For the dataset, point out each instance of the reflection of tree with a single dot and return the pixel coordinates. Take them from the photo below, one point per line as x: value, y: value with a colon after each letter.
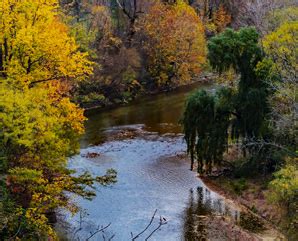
x: 188, y: 228
x: 195, y: 215
x: 209, y: 215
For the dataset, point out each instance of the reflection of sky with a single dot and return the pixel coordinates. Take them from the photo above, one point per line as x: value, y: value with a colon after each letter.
x: 146, y: 181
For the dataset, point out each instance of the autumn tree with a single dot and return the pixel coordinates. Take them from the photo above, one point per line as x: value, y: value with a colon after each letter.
x: 255, y: 12
x: 280, y: 47
x: 39, y: 126
x: 277, y: 17
x: 281, y: 61
x: 31, y: 55
x: 175, y: 43
x: 115, y: 76
x: 132, y: 10
x: 221, y: 19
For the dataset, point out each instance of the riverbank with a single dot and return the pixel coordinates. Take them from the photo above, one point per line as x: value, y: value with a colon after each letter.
x: 249, y: 226
x: 154, y: 174
x: 143, y: 141
x: 92, y: 107
x: 251, y: 197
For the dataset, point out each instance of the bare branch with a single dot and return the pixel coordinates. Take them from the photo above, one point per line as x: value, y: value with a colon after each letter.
x: 111, y: 237
x: 152, y: 218
x: 162, y: 221
x: 98, y: 231
x: 124, y: 10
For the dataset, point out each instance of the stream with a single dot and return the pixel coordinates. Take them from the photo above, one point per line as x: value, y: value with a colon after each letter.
x: 143, y: 142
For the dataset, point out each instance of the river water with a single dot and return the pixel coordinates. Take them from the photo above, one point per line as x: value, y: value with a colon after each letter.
x: 143, y: 142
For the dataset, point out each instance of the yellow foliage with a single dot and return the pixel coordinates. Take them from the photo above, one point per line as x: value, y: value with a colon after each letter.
x: 35, y: 46
x: 39, y: 125
x: 41, y: 130
x: 282, y: 56
x: 281, y: 45
x: 34, y: 119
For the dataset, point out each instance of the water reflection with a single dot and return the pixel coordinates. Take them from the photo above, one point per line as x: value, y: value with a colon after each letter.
x: 194, y: 227
x: 202, y: 205
x: 150, y: 173
x: 160, y: 113
x: 206, y: 213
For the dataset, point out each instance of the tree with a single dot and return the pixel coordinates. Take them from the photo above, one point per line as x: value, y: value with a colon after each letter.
x: 39, y: 126
x: 221, y: 19
x: 132, y: 9
x: 214, y: 15
x: 283, y: 193
x: 175, y: 43
x: 277, y: 17
x: 30, y: 55
x: 285, y: 184
x: 206, y: 120
x: 281, y: 49
x: 39, y: 130
x: 241, y: 51
x: 256, y: 12
x: 241, y: 113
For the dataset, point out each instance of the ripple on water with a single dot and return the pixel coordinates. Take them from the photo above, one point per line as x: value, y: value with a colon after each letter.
x: 153, y: 173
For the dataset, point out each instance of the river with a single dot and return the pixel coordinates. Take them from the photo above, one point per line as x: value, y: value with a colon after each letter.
x: 143, y: 142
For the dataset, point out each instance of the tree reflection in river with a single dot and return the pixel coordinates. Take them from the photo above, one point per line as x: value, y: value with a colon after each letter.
x: 194, y: 227
x: 201, y: 208
x: 209, y: 216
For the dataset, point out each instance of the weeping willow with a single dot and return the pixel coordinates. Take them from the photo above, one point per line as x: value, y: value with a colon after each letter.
x: 210, y: 120
x: 206, y: 120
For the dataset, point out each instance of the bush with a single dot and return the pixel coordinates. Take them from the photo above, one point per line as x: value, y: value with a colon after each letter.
x: 239, y: 185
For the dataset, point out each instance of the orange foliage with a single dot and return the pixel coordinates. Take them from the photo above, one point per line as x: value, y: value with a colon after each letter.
x: 175, y: 45
x: 221, y: 19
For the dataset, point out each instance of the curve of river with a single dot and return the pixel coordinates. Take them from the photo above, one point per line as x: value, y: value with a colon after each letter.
x: 143, y: 142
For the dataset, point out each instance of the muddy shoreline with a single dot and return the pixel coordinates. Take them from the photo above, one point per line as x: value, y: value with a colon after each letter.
x: 265, y: 212
x: 220, y: 226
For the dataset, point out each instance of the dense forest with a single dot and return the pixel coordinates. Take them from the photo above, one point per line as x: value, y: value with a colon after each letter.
x: 58, y: 58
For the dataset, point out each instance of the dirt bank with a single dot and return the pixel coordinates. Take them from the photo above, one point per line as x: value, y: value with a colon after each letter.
x: 253, y: 201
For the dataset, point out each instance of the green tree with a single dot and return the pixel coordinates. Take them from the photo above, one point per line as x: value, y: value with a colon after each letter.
x: 243, y: 110
x: 206, y: 131
x: 283, y: 193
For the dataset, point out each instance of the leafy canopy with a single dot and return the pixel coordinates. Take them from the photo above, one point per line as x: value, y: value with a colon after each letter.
x: 35, y: 45
x: 39, y: 126
x: 175, y: 43
x: 242, y: 112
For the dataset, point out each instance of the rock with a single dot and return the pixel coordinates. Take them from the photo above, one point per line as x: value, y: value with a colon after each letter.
x: 91, y: 155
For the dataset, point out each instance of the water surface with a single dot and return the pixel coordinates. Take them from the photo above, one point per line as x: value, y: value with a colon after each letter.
x: 159, y: 113
x: 143, y: 142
